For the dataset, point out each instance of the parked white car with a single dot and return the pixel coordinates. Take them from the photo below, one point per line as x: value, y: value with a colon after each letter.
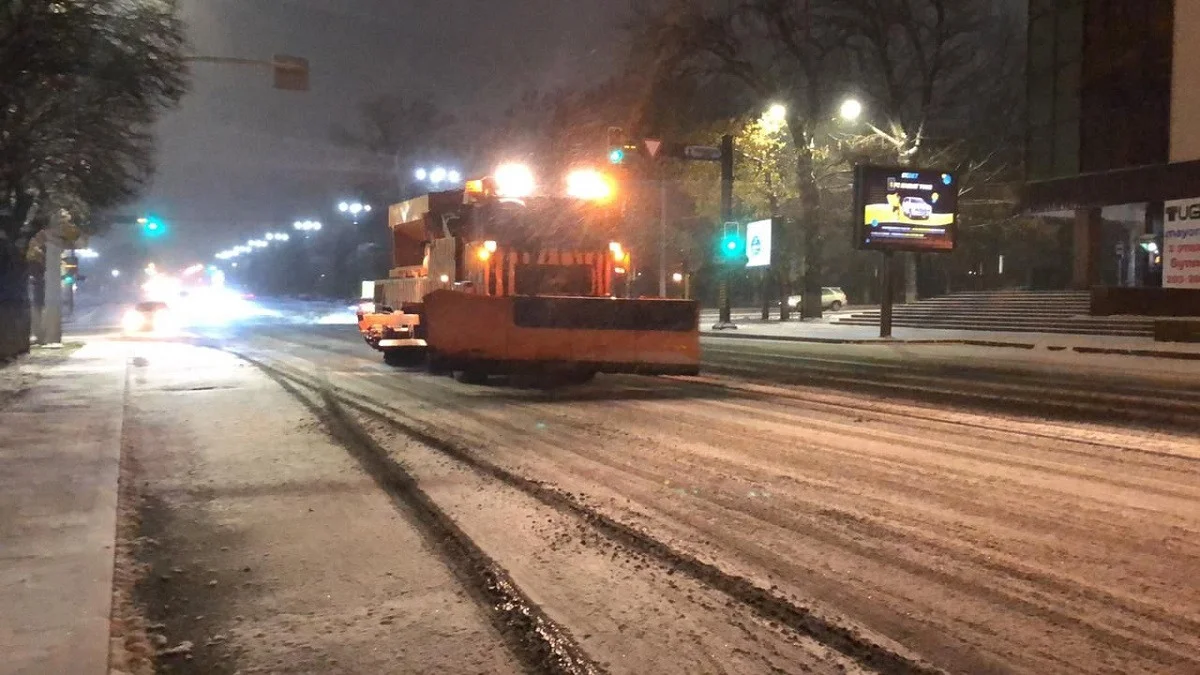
x: 832, y: 298
x: 915, y: 208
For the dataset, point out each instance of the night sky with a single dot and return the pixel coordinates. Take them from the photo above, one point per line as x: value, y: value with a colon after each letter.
x: 238, y: 157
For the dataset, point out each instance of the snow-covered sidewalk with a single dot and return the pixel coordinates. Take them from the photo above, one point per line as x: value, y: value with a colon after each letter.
x: 59, y: 456
x: 829, y: 332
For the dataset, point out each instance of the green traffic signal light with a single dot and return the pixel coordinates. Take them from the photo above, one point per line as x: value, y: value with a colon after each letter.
x: 152, y: 227
x: 68, y: 280
x: 616, y: 155
x: 733, y: 246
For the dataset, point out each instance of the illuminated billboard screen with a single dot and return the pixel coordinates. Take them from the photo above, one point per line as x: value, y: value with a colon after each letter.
x: 898, y: 209
x: 758, y: 243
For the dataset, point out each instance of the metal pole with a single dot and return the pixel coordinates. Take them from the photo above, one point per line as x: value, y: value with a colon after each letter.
x: 765, y: 285
x: 726, y: 311
x: 52, y: 306
x: 662, y: 238
x: 885, y: 304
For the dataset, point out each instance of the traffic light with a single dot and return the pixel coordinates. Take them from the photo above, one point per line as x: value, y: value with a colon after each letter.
x: 152, y: 227
x: 619, y: 147
x: 70, y: 270
x: 732, y: 249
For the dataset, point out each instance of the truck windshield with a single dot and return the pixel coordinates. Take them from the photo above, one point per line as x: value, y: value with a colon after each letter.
x: 554, y: 280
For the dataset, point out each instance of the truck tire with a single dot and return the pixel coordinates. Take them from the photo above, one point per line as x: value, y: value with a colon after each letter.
x: 472, y: 377
x: 403, y: 358
x: 437, y: 365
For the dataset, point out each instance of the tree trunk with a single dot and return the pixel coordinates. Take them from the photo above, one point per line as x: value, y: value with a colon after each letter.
x: 14, y: 302
x: 810, y: 209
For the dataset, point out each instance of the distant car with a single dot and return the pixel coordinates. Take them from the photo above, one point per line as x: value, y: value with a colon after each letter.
x: 832, y: 298
x: 147, y: 317
x: 915, y: 208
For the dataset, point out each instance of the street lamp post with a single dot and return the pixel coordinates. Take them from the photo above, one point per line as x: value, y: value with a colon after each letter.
x: 851, y: 110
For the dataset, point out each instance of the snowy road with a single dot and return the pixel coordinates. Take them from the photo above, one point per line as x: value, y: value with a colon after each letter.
x: 985, y: 510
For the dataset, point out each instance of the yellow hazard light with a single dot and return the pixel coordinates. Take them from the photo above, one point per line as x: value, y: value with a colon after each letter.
x: 514, y: 181
x: 474, y: 186
x: 589, y: 184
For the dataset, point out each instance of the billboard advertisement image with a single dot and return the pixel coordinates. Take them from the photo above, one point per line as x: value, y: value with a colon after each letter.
x: 904, y: 209
x: 758, y: 243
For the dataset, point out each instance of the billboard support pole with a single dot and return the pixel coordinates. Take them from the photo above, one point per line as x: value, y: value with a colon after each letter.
x: 885, y: 305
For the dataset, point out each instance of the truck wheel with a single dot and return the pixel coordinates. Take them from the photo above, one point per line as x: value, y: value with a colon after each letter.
x: 402, y: 358
x: 581, y: 377
x: 437, y: 365
x: 472, y: 377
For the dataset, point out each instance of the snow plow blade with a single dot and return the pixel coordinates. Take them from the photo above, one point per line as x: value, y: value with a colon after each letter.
x: 603, y: 335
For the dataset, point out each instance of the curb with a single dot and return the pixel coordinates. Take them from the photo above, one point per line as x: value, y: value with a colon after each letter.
x: 1108, y: 351
x: 873, y: 341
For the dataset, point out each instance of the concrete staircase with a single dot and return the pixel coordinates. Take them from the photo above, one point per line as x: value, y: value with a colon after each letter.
x: 1025, y: 311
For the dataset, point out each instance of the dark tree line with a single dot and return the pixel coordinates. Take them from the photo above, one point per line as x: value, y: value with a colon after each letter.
x: 81, y: 83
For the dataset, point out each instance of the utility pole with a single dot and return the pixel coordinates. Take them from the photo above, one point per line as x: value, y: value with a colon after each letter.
x: 52, y: 307
x: 725, y: 319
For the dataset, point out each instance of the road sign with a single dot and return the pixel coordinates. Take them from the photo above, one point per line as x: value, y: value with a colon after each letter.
x: 653, y: 145
x: 702, y: 152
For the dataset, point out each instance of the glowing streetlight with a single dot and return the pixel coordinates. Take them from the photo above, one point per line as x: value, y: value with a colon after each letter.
x: 851, y: 110
x: 421, y: 174
x: 677, y: 277
x: 115, y: 273
x: 777, y: 113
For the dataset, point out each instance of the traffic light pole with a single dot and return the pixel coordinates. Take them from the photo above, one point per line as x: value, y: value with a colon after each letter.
x: 725, y: 318
x: 662, y: 233
x: 51, y: 332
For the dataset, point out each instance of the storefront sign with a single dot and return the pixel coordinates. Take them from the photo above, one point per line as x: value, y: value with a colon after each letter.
x: 1181, y: 243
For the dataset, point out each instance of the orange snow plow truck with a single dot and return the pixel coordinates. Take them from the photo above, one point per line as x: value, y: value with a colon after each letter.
x: 484, y: 285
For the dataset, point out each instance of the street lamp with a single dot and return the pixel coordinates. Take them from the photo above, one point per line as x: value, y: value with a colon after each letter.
x: 116, y: 273
x: 851, y: 110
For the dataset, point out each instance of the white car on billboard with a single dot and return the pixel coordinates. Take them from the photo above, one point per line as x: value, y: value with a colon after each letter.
x: 915, y: 208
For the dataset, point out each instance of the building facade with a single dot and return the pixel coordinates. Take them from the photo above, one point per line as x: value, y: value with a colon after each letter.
x: 1113, y: 136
